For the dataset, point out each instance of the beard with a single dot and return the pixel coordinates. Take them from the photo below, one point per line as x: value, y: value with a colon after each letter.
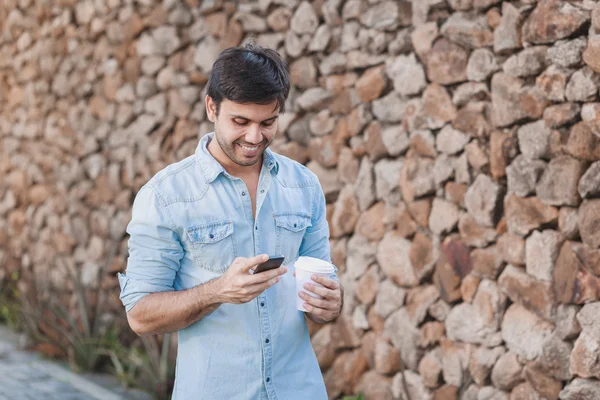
x: 236, y: 154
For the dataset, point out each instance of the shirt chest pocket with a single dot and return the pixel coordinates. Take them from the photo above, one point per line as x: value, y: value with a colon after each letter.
x: 212, y: 245
x: 291, y: 227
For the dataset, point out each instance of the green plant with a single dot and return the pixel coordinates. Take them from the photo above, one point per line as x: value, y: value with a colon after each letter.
x: 359, y: 396
x: 10, y: 307
x: 147, y: 364
x: 125, y: 361
x: 82, y: 337
x: 160, y: 370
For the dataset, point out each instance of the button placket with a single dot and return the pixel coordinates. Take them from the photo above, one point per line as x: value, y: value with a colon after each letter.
x: 246, y: 203
x: 263, y: 185
x: 267, y: 350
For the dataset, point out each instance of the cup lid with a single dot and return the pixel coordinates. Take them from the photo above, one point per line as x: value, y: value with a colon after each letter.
x: 312, y: 264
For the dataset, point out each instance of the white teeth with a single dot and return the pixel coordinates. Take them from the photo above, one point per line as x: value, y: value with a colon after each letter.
x: 250, y: 148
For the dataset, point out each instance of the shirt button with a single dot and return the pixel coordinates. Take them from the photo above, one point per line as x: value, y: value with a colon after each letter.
x: 256, y: 228
x: 243, y: 193
x: 268, y: 379
x: 262, y: 304
x: 267, y: 341
x: 211, y: 236
x: 262, y: 191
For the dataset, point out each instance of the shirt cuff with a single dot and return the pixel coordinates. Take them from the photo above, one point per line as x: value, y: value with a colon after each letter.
x: 133, y: 290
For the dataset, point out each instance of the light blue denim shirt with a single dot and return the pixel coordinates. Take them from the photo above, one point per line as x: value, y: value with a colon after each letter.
x: 189, y: 223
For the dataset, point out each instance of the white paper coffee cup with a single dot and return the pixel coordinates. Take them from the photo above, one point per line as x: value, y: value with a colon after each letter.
x: 305, y: 267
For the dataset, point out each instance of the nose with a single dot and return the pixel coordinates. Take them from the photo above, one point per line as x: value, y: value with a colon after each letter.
x: 253, y: 136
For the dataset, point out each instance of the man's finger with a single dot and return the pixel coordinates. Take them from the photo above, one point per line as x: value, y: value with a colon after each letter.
x: 318, y: 303
x: 327, y: 282
x: 252, y: 262
x: 258, y: 288
x: 316, y: 311
x: 265, y: 276
x: 321, y: 291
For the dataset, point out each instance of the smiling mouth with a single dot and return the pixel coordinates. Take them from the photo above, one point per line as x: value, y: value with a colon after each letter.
x: 250, y: 151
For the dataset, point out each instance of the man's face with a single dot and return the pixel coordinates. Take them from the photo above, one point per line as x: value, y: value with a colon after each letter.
x: 243, y: 131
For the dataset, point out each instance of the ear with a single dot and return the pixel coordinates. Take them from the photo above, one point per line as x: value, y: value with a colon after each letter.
x: 211, y: 109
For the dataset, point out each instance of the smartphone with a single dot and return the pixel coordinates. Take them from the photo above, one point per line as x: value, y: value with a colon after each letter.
x: 271, y: 263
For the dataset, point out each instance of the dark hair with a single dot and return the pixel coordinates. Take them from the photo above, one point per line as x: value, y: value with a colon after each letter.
x: 249, y: 74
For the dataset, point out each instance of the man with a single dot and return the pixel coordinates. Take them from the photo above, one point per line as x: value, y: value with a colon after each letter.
x: 201, y: 226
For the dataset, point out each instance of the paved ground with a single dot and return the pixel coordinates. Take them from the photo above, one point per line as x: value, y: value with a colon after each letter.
x: 26, y: 376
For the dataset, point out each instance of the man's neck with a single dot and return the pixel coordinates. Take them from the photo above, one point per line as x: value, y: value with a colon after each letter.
x: 232, y: 168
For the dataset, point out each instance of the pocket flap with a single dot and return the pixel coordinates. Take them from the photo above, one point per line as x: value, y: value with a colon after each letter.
x: 211, y: 232
x: 294, y: 222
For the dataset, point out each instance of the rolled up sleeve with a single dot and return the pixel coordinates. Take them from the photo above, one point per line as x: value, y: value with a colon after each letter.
x: 155, y: 250
x: 315, y: 242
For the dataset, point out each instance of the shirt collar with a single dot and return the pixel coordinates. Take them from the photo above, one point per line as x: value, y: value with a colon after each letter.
x: 211, y: 168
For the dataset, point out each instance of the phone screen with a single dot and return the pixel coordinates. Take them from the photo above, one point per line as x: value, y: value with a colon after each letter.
x: 271, y: 263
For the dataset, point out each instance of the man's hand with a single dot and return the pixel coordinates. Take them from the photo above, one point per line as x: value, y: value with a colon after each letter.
x: 329, y: 307
x: 237, y: 285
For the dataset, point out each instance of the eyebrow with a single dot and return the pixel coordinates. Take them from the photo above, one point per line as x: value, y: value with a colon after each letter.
x: 234, y: 116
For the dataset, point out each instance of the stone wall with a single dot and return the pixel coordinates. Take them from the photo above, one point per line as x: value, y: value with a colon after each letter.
x: 457, y: 143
